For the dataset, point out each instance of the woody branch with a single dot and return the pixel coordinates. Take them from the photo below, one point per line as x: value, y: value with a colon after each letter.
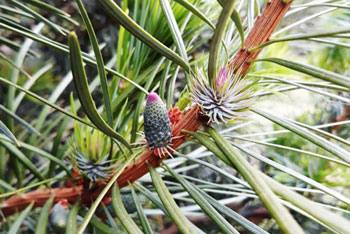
x: 263, y: 28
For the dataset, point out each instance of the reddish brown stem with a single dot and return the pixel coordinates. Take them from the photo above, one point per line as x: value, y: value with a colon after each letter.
x: 260, y: 33
x: 262, y: 30
x: 131, y: 173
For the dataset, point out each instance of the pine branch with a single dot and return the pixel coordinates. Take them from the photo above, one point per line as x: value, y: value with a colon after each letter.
x: 263, y: 28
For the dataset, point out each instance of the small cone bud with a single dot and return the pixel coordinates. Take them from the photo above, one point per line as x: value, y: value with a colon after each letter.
x: 229, y: 99
x: 58, y: 216
x: 156, y: 122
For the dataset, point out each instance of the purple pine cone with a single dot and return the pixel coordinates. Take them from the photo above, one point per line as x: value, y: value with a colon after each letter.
x: 156, y: 122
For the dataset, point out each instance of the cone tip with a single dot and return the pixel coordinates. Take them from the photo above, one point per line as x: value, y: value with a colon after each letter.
x: 153, y: 97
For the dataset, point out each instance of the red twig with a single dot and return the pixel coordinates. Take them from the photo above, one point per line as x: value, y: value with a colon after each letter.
x: 261, y: 32
x: 131, y: 173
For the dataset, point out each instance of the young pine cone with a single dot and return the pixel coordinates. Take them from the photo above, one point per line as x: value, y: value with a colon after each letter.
x: 157, y: 125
